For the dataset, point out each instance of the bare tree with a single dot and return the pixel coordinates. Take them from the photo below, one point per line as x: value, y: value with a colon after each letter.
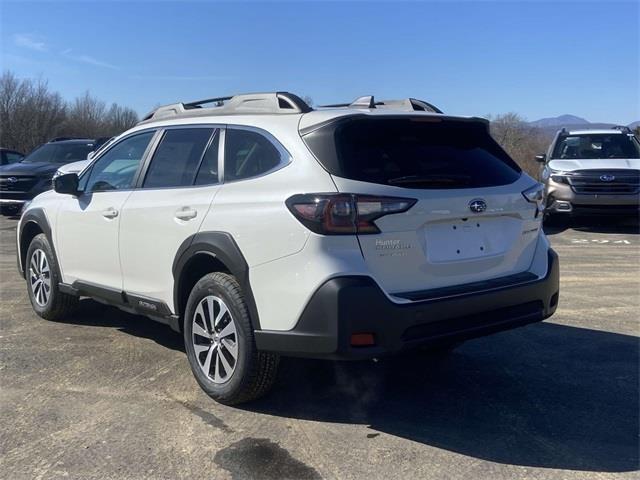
x: 119, y: 119
x: 520, y: 140
x: 85, y: 117
x: 89, y: 117
x: 30, y: 114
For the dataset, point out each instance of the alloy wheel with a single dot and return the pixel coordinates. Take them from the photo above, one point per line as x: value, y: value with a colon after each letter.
x: 215, y: 339
x: 40, y: 277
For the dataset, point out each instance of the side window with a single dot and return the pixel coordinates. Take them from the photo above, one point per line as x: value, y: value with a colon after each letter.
x: 13, y: 157
x: 176, y: 159
x: 117, y: 168
x: 248, y: 154
x: 208, y: 171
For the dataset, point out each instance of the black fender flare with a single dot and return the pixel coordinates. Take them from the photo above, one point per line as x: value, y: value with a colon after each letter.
x: 223, y: 247
x: 37, y: 216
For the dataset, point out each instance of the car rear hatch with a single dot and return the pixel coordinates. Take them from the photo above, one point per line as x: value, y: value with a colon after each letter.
x: 470, y: 222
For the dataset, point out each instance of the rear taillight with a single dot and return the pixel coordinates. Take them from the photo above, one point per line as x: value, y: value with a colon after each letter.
x: 535, y: 195
x: 344, y: 213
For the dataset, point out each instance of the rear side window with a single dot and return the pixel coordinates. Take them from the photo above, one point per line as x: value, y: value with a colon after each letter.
x: 248, y: 154
x: 176, y: 160
x: 413, y: 153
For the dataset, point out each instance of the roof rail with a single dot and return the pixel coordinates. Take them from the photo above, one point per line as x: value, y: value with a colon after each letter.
x: 622, y: 128
x: 407, y: 104
x: 250, y: 103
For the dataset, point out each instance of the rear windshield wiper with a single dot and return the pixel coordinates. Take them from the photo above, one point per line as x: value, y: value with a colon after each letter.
x: 435, y: 179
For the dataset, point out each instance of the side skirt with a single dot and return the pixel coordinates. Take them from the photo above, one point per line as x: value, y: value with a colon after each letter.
x: 149, y: 307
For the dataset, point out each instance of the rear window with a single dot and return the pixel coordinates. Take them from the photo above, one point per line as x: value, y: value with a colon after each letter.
x: 413, y: 153
x: 597, y: 145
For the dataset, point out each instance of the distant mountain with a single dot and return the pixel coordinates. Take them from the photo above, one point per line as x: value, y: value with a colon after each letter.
x: 560, y: 121
x: 552, y: 124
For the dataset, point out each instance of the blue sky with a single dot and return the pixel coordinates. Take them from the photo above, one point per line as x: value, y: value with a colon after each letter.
x: 535, y: 58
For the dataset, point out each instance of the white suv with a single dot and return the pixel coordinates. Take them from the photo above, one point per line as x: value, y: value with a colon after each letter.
x: 259, y: 227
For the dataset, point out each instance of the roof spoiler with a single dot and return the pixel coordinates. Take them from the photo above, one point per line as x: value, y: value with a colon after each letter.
x: 407, y: 104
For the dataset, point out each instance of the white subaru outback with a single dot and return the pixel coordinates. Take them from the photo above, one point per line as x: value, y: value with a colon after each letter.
x: 259, y: 227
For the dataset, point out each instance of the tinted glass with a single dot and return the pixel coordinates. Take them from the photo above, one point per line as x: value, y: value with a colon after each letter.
x: 248, y: 154
x: 613, y: 145
x: 59, y: 153
x: 117, y: 168
x: 208, y: 171
x: 12, y: 157
x: 413, y: 153
x: 176, y: 159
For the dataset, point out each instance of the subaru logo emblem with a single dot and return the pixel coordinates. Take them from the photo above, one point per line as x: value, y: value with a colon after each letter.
x: 607, y: 178
x: 12, y: 180
x: 478, y: 205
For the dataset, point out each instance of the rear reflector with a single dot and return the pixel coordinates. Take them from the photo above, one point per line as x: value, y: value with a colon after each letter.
x: 362, y: 340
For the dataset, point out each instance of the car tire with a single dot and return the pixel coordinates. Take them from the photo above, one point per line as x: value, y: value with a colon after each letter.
x: 216, y: 325
x: 43, y: 277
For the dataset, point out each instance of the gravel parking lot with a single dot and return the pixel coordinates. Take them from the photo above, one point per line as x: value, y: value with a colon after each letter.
x: 110, y: 395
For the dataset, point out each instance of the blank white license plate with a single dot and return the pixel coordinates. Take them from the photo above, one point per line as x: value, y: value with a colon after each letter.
x: 464, y: 240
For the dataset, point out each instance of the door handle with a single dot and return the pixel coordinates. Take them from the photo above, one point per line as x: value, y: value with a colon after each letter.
x: 186, y: 213
x: 110, y: 213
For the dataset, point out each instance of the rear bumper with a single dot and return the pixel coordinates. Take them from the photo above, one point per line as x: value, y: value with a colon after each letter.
x: 347, y: 305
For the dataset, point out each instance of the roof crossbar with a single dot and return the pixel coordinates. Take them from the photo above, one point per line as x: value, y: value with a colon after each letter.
x: 407, y: 104
x: 251, y: 103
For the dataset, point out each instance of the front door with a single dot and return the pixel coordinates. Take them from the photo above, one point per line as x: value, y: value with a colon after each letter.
x: 87, y: 225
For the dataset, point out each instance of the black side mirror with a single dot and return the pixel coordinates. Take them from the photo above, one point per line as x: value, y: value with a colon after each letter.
x: 67, y: 183
x: 541, y: 158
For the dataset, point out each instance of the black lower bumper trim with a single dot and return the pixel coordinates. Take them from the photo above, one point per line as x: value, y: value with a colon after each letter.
x: 346, y: 305
x: 606, y: 210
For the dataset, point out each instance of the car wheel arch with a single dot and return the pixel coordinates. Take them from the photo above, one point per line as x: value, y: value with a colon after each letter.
x: 207, y: 252
x: 34, y: 222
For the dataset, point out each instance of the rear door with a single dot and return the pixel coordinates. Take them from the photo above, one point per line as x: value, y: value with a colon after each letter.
x: 470, y: 222
x: 174, y: 195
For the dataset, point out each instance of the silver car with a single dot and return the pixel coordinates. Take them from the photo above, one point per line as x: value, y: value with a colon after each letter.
x: 592, y: 172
